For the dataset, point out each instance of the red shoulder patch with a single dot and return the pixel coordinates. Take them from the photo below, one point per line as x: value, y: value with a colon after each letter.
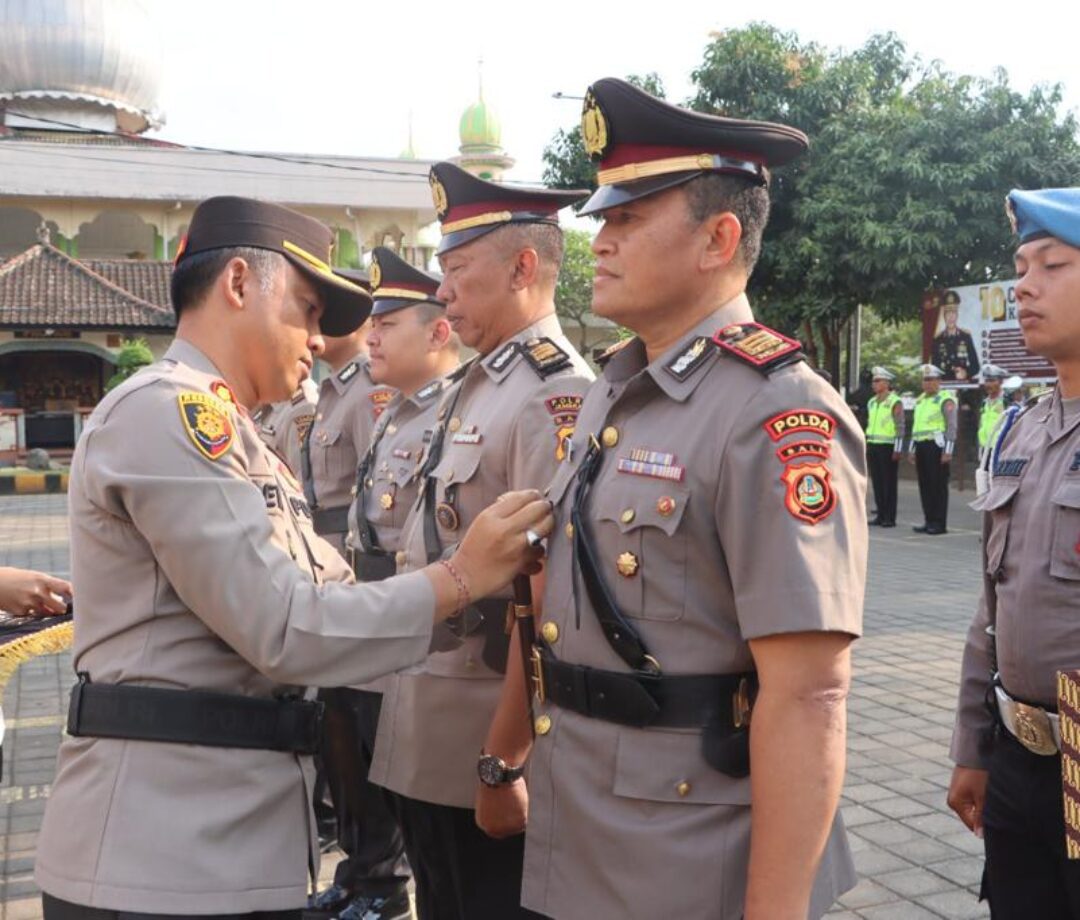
x: 809, y: 495
x: 792, y: 420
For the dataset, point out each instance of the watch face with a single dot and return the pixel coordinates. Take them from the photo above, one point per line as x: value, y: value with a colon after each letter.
x: 492, y: 770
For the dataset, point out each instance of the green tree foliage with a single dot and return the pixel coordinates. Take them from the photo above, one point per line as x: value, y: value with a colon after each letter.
x: 896, y: 346
x: 133, y: 354
x: 903, y: 187
x: 573, y: 290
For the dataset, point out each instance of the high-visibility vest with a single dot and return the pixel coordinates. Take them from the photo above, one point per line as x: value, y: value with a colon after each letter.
x: 989, y: 415
x: 880, y: 422
x: 929, y: 419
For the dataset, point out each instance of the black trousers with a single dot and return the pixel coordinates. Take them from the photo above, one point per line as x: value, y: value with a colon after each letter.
x: 933, y: 483
x: 461, y: 873
x: 57, y: 909
x: 883, y: 472
x: 1027, y: 874
x: 368, y: 832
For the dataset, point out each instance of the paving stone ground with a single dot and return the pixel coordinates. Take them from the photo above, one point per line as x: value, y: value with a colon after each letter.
x: 914, y: 858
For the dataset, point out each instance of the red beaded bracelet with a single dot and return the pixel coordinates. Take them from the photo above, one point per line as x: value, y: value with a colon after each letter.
x: 463, y: 595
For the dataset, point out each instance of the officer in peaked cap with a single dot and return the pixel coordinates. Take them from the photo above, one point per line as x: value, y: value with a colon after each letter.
x: 954, y: 348
x: 207, y: 602
x: 884, y: 444
x: 933, y: 438
x: 1017, y: 759
x: 993, y: 404
x: 451, y: 735
x: 666, y: 621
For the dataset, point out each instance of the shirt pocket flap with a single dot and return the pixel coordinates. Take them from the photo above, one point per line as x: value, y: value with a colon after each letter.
x: 642, y: 502
x: 1065, y: 550
x: 1067, y: 495
x: 560, y: 482
x: 1000, y: 494
x: 668, y: 766
x: 328, y: 437
x: 459, y: 466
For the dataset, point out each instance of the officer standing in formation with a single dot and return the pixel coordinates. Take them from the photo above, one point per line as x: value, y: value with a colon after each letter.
x: 348, y: 405
x: 884, y: 444
x: 207, y: 602
x: 709, y: 559
x: 993, y: 405
x: 501, y: 425
x: 933, y: 437
x: 283, y: 426
x: 413, y: 348
x: 1008, y: 785
x: 954, y: 349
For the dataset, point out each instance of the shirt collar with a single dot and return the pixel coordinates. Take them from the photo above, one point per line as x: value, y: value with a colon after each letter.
x: 360, y: 359
x: 508, y: 353
x: 632, y: 359
x: 184, y: 352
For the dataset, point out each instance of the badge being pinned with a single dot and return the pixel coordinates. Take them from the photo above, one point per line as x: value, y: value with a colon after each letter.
x: 207, y: 422
x: 809, y: 495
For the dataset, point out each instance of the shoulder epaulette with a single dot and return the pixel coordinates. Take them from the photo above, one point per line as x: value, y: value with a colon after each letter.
x: 545, y: 357
x: 611, y: 351
x: 759, y: 346
x: 348, y: 372
x: 690, y: 358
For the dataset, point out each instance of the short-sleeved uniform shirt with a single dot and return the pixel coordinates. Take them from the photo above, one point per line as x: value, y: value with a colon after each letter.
x: 506, y: 424
x: 728, y: 506
x: 1033, y: 560
x: 196, y: 567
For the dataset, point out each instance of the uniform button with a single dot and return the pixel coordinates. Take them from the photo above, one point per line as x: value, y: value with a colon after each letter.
x: 550, y: 632
x: 683, y: 789
x: 627, y: 565
x: 543, y: 725
x: 399, y: 557
x: 454, y: 424
x: 609, y: 437
x: 665, y: 505
x: 391, y: 429
x: 352, y: 491
x: 369, y: 483
x: 627, y: 516
x: 569, y: 529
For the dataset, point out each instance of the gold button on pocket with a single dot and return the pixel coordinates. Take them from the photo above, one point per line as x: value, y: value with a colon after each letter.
x: 569, y: 530
x: 627, y: 517
x: 542, y: 725
x: 609, y: 437
x: 550, y: 632
x: 683, y: 789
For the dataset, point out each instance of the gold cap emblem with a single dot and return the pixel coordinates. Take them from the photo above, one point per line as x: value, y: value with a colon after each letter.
x: 438, y: 197
x: 375, y: 273
x: 594, y: 127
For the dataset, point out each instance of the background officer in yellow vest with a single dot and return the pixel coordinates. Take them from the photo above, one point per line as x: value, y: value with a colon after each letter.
x: 884, y: 444
x: 933, y: 437
x: 993, y: 407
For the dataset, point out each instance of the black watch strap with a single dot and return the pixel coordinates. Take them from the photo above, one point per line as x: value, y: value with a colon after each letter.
x: 494, y: 771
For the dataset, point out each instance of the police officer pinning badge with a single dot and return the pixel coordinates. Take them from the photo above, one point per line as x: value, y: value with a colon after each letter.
x: 684, y: 364
x: 348, y: 372
x: 758, y: 345
x: 207, y: 422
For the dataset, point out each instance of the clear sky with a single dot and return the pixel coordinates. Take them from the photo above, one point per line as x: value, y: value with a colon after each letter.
x: 342, y: 76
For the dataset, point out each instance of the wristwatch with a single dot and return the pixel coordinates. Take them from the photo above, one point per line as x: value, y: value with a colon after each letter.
x: 494, y: 771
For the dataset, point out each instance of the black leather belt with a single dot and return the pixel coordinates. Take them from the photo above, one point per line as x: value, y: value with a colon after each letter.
x: 376, y: 565
x: 330, y: 520
x: 193, y: 717
x: 719, y: 701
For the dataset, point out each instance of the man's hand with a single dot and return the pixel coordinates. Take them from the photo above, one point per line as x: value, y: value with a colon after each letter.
x: 966, y: 796
x: 946, y: 458
x: 896, y: 456
x: 501, y: 811
x: 496, y: 548
x: 27, y: 593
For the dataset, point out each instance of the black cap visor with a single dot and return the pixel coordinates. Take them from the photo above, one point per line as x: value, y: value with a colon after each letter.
x: 345, y: 305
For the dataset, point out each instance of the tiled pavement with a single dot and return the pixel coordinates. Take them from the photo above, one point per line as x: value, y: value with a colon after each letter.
x: 915, y: 859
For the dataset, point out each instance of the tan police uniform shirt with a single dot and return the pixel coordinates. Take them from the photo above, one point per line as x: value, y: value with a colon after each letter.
x: 706, y: 544
x: 1033, y: 552
x: 284, y: 425
x: 349, y: 404
x: 196, y: 566
x: 392, y: 484
x: 504, y: 433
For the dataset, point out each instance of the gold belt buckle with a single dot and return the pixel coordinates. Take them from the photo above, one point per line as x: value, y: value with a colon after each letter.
x: 1033, y: 729
x: 538, y: 675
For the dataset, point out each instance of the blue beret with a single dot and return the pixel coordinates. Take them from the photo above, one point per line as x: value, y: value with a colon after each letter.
x: 1045, y: 212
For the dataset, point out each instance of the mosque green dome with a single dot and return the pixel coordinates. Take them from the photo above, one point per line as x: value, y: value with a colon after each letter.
x: 480, y: 127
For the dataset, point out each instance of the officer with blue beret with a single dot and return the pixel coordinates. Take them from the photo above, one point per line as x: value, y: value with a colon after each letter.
x: 1017, y: 760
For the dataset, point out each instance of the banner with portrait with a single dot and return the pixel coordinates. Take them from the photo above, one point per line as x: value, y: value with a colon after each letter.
x: 967, y: 327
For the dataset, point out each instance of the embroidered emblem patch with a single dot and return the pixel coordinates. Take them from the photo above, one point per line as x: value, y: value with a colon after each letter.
x: 1014, y: 466
x: 792, y: 420
x: 1075, y: 462
x: 207, y: 422
x: 502, y: 358
x: 809, y: 495
x: 430, y: 390
x: 563, y: 435
x: 379, y: 401
x: 764, y: 348
x: 798, y: 449
x: 684, y: 364
x: 303, y: 425
x: 561, y: 406
x: 348, y: 372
